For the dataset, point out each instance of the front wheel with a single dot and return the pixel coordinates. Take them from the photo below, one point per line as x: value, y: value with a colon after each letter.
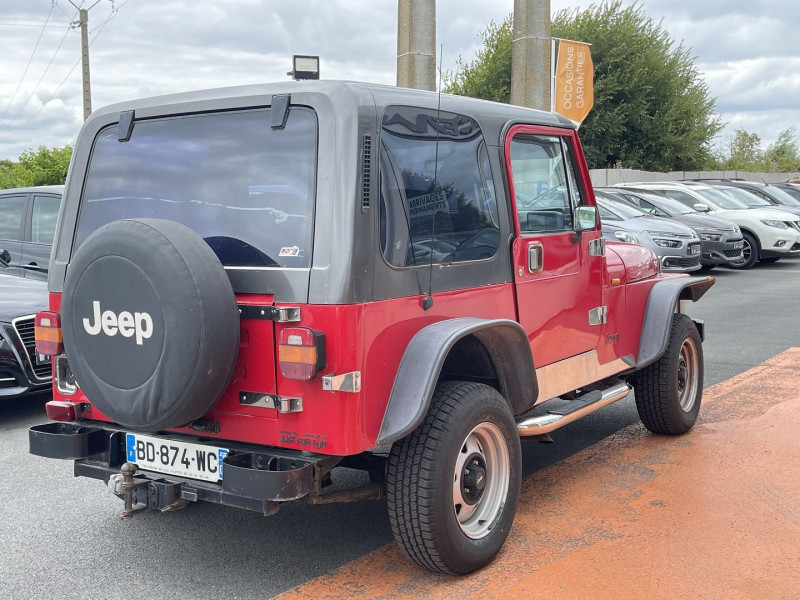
x: 453, y: 483
x: 750, y: 252
x: 668, y: 392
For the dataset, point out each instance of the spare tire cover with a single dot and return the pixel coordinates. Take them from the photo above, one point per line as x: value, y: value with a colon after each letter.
x: 150, y: 323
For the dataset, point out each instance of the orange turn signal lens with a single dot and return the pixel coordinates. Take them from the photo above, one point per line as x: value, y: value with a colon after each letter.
x: 47, y: 331
x: 301, y: 353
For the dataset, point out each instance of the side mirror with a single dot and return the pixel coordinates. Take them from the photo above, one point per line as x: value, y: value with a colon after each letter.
x: 586, y: 218
x: 700, y: 207
x: 5, y: 257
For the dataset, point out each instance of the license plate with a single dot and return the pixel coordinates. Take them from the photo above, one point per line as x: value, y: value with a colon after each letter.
x: 739, y: 244
x: 195, y: 461
x: 694, y: 250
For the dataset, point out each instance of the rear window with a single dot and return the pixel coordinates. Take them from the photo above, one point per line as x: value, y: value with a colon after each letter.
x: 245, y: 188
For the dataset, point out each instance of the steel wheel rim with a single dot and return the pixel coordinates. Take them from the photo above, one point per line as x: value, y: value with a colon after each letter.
x: 478, y: 512
x: 688, y: 374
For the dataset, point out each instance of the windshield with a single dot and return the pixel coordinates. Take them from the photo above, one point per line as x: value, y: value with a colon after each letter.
x: 783, y: 196
x: 745, y: 197
x: 620, y: 208
x: 668, y: 205
x: 721, y: 199
x: 245, y: 188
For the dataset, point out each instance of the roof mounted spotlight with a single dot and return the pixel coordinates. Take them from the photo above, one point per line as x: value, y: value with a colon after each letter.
x: 304, y: 67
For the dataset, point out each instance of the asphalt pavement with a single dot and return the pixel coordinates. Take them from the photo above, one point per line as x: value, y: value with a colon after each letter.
x: 61, y: 537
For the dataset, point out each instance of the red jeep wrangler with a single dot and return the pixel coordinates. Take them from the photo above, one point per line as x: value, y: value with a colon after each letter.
x: 252, y: 286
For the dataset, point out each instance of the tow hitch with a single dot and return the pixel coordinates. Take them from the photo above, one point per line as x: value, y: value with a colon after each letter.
x: 144, y: 494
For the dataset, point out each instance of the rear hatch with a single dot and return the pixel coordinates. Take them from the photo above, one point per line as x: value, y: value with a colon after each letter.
x: 242, y: 184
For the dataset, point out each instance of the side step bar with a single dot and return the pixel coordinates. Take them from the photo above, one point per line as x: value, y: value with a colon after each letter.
x: 586, y: 404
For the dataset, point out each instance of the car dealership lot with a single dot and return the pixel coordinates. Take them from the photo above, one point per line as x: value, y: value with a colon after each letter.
x: 50, y: 544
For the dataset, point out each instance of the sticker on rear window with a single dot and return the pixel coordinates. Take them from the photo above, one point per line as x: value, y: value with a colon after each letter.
x: 289, y: 251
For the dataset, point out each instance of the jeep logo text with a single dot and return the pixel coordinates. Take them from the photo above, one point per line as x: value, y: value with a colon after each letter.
x: 127, y: 324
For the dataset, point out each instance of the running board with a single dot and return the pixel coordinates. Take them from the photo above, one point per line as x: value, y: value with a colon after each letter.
x: 586, y: 404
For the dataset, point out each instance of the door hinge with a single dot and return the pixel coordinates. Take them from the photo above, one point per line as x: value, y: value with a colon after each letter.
x: 597, y: 247
x: 597, y: 316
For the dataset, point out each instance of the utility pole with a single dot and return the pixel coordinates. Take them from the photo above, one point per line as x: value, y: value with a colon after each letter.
x: 530, y: 54
x: 83, y: 23
x: 87, y: 86
x: 416, y: 44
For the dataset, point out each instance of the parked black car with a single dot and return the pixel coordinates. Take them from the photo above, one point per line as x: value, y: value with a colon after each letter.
x: 28, y: 224
x: 721, y: 240
x: 22, y: 294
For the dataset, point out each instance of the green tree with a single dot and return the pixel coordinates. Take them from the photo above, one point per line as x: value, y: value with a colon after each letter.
x: 744, y: 151
x: 45, y: 166
x: 651, y: 110
x: 784, y: 155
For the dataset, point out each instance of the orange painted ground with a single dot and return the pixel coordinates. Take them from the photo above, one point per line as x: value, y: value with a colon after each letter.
x: 712, y: 514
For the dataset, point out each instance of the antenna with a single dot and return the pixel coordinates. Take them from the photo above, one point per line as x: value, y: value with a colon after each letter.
x: 427, y: 301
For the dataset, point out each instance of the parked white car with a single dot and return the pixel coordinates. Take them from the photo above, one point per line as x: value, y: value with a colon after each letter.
x: 769, y: 234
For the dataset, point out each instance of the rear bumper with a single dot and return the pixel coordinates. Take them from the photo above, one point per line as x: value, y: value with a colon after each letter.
x: 255, y: 478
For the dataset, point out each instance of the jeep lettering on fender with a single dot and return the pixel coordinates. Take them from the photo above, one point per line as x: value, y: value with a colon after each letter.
x: 253, y: 286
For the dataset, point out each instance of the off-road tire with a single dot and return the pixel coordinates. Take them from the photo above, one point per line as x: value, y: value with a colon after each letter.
x: 669, y: 391
x: 750, y: 253
x: 435, y: 524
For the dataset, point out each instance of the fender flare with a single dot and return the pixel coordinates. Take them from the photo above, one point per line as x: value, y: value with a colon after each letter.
x: 661, y: 305
x: 424, y: 358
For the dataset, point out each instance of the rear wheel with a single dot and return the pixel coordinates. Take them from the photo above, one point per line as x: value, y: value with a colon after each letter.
x: 668, y: 392
x: 750, y: 252
x: 453, y: 483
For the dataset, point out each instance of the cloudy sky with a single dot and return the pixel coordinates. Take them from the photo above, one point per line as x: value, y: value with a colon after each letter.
x: 747, y: 51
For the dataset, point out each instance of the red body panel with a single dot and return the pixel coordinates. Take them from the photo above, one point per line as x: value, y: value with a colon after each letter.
x: 370, y: 338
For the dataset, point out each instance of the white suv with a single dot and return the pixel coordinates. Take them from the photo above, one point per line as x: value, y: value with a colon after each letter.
x: 768, y: 234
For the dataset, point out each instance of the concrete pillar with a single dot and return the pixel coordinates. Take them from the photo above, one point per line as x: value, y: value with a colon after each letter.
x: 530, y: 54
x: 416, y: 44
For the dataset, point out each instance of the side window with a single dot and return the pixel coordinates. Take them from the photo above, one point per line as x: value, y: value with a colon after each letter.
x: 13, y: 210
x: 575, y: 190
x: 45, y: 215
x: 544, y: 183
x: 437, y: 199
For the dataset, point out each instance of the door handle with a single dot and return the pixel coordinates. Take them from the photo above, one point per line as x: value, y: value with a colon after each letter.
x: 535, y: 257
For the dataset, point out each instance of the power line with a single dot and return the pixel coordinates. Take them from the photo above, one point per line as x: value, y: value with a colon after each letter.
x: 60, y: 85
x: 30, y: 60
x: 47, y: 68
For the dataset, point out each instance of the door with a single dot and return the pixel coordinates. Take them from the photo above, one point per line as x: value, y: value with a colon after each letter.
x: 42, y: 229
x: 558, y: 270
x: 13, y: 208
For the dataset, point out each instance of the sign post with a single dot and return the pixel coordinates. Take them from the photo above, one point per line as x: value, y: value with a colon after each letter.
x: 573, y: 80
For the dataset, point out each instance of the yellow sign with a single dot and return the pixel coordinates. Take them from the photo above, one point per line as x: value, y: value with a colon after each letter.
x: 574, y: 85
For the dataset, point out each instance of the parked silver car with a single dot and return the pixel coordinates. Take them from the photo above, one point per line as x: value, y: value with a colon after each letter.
x: 721, y: 240
x: 677, y: 246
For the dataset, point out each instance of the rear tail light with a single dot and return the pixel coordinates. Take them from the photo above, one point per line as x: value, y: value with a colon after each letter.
x: 47, y: 329
x: 301, y: 353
